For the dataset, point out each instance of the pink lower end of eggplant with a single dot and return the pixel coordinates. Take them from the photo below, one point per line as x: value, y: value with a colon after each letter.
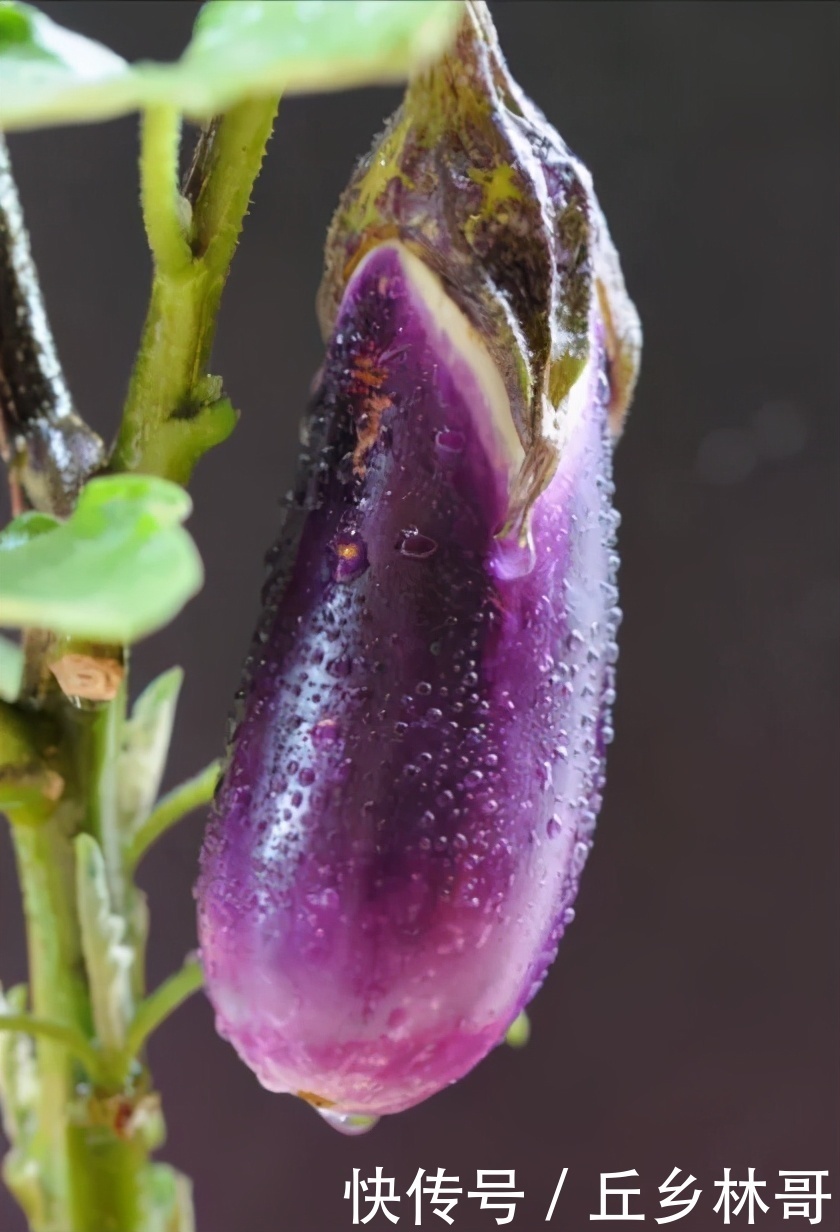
x: 418, y: 759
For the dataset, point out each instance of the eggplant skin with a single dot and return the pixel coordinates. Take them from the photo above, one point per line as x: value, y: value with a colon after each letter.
x: 418, y: 756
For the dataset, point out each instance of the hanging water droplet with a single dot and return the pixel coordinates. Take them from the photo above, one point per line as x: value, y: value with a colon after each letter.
x: 350, y: 1123
x: 324, y: 733
x: 511, y: 559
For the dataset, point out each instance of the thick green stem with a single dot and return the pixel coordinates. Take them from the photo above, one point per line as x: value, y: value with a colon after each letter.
x: 58, y: 993
x: 107, y: 1175
x: 89, y: 1170
x: 175, y: 411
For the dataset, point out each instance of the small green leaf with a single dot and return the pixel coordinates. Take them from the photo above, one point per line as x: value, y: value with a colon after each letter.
x: 120, y: 567
x: 107, y: 957
x: 145, y: 746
x: 11, y: 670
x: 240, y: 49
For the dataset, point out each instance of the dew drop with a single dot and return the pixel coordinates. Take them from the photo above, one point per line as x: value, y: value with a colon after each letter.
x: 511, y: 559
x: 350, y: 1123
x: 324, y: 733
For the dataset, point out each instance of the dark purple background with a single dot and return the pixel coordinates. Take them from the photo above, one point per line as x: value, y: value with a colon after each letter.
x: 691, y: 1018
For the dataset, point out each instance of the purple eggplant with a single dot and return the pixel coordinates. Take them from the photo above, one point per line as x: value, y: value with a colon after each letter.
x: 417, y: 756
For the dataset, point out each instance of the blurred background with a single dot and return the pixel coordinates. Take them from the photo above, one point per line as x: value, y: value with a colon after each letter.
x: 691, y: 1019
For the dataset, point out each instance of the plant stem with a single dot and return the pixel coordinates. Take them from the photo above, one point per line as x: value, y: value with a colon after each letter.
x: 160, y: 1004
x: 83, y: 1159
x: 107, y: 1176
x: 160, y: 143
x: 58, y: 992
x: 103, y: 813
x: 183, y: 799
x: 174, y: 411
x: 73, y: 1040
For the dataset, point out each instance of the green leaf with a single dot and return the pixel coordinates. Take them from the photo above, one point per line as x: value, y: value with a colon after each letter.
x: 120, y: 567
x: 50, y: 75
x: 107, y: 957
x: 11, y: 670
x: 240, y: 49
x: 145, y: 746
x: 28, y: 526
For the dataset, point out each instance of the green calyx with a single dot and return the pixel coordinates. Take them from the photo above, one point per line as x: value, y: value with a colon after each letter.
x: 470, y: 176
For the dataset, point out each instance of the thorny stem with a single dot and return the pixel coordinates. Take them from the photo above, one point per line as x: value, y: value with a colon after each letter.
x: 82, y: 1164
